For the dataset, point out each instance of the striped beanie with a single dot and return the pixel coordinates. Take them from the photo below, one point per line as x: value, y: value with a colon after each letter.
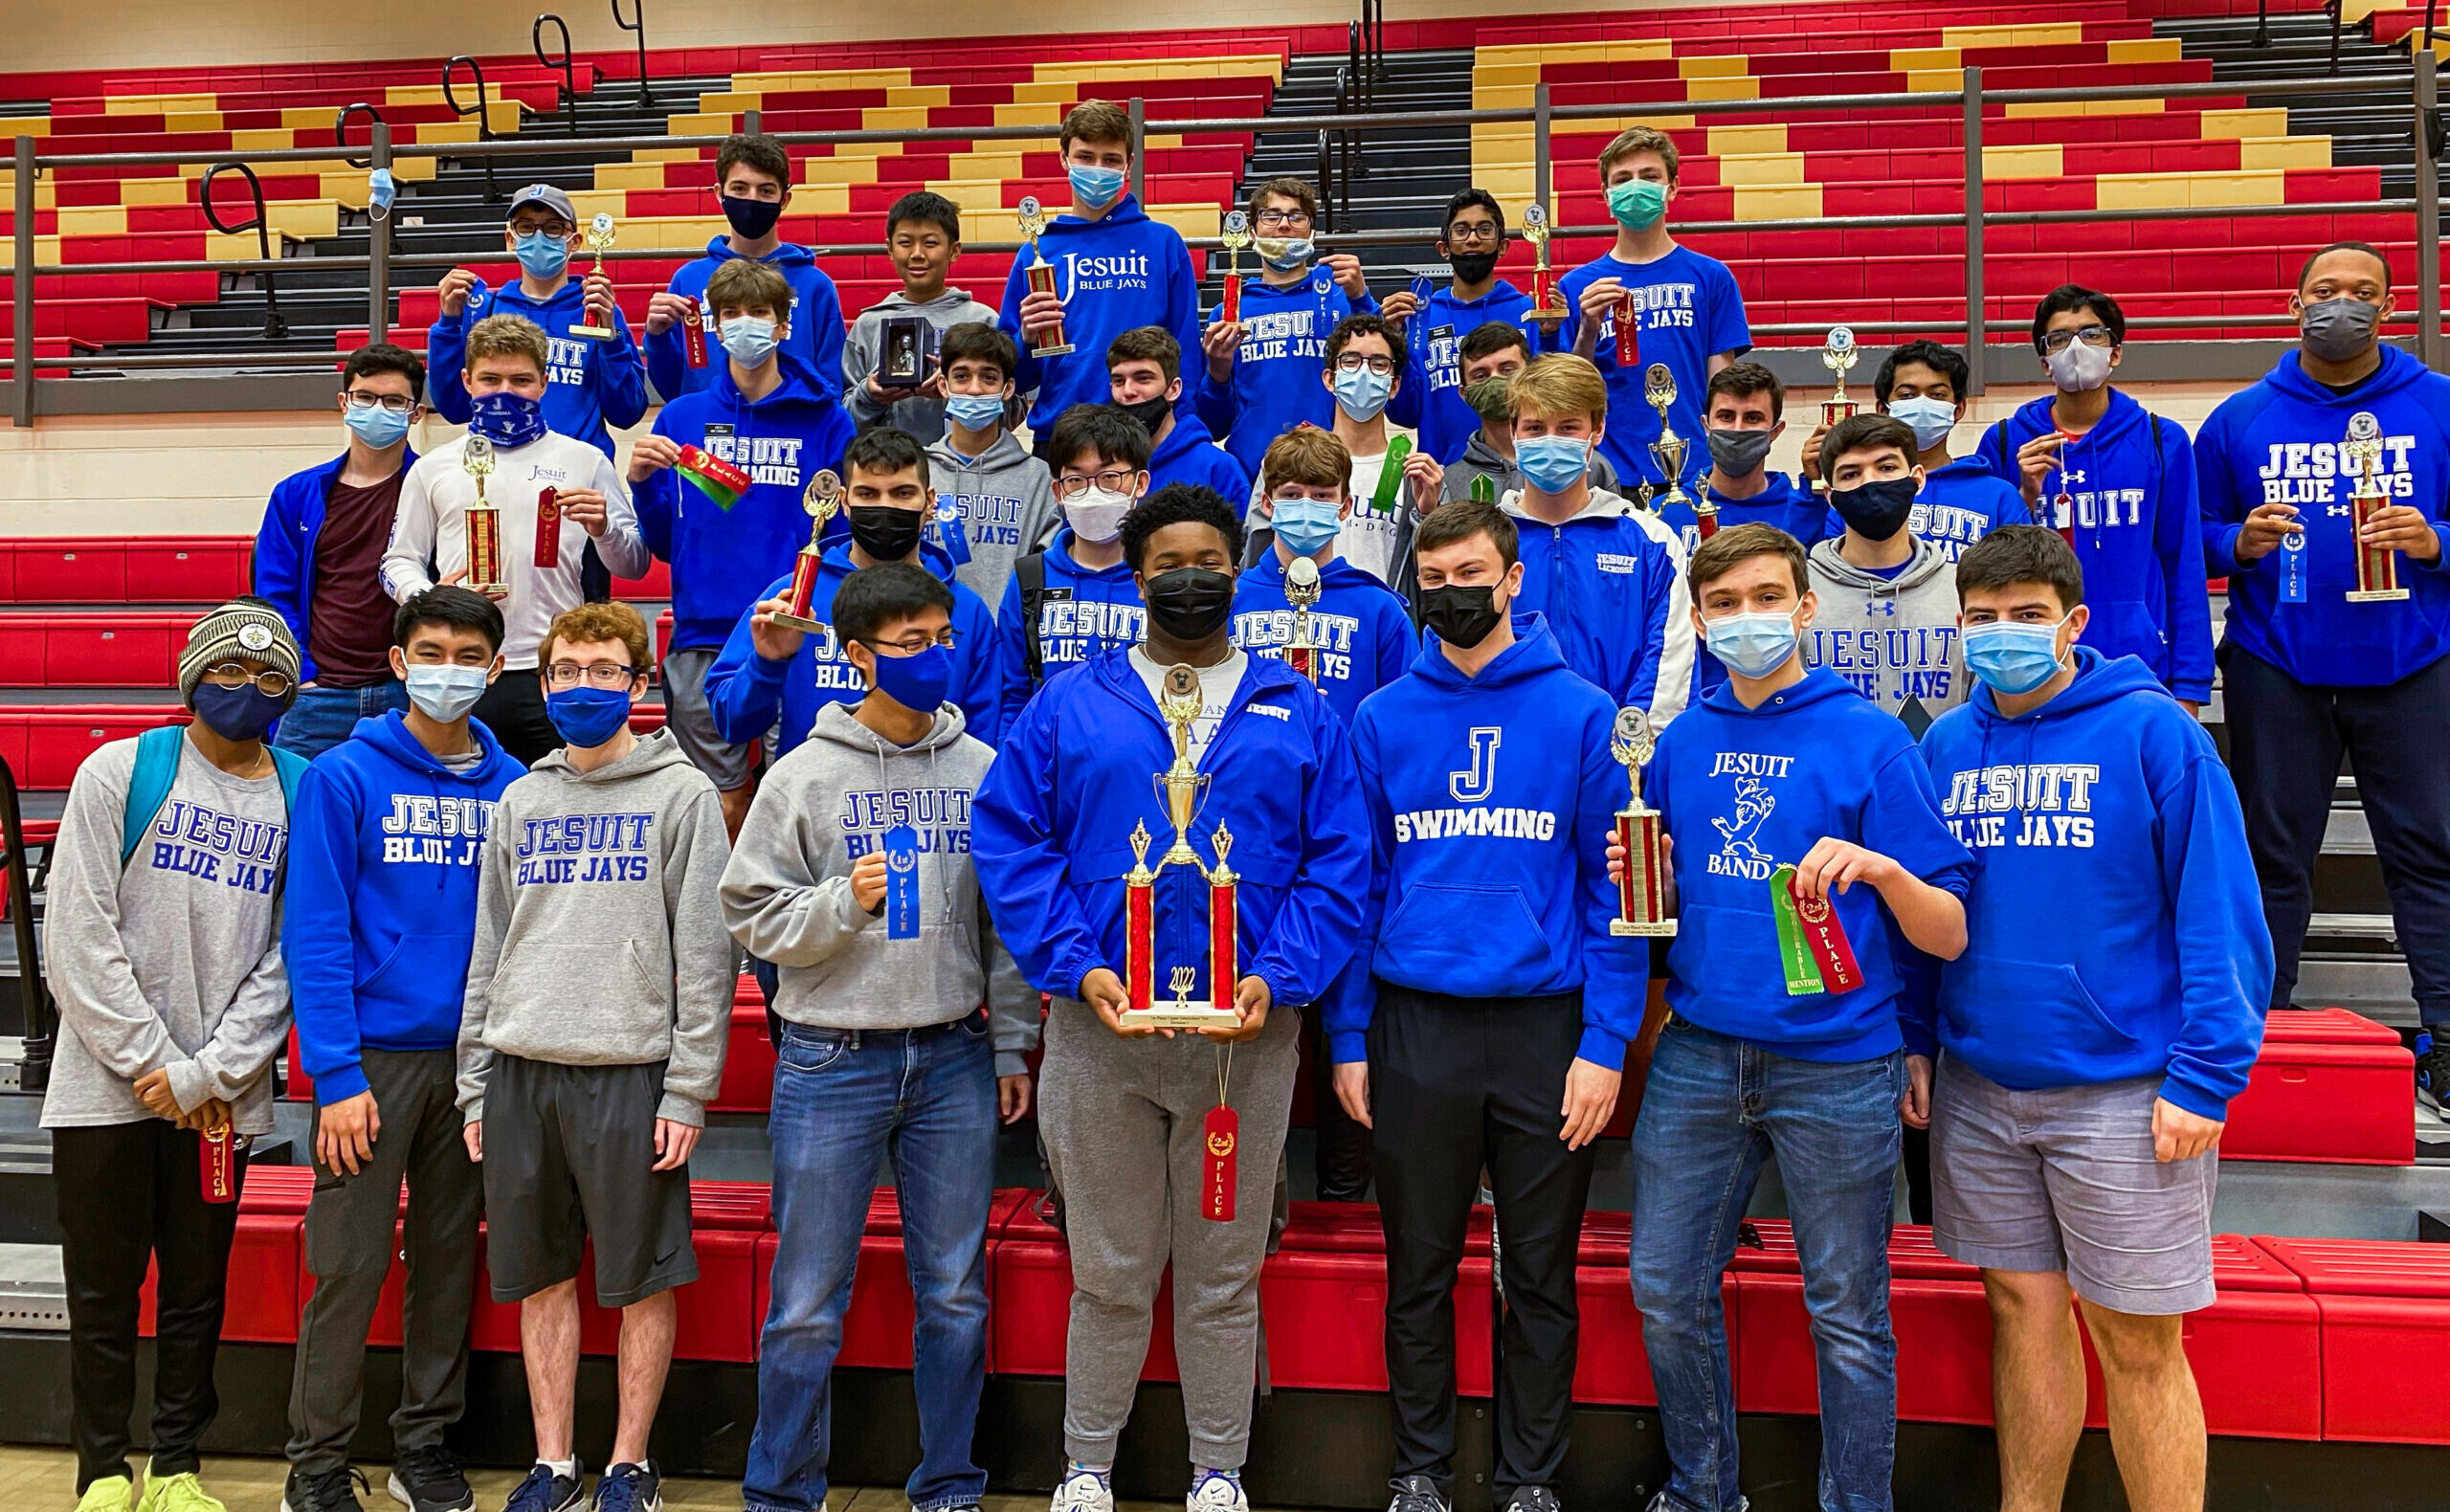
x: 248, y: 628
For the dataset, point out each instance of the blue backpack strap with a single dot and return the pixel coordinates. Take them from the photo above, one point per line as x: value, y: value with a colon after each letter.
x: 148, y: 787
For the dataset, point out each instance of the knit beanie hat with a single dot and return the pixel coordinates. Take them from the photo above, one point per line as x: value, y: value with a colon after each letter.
x: 247, y: 629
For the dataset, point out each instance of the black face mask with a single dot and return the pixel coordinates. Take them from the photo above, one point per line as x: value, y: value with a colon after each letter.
x: 886, y: 534
x: 1149, y: 412
x: 1190, y: 603
x: 752, y: 219
x: 1876, y: 510
x: 1471, y: 267
x: 1463, y: 614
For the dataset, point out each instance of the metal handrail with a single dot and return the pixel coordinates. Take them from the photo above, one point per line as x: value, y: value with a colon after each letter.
x: 33, y: 993
x: 484, y: 118
x: 637, y: 23
x: 340, y: 130
x: 568, y: 65
x: 275, y: 327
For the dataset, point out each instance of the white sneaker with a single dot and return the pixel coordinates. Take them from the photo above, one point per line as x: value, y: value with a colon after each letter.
x: 1084, y: 1492
x: 1216, y: 1493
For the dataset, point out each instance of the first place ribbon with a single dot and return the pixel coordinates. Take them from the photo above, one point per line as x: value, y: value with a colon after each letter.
x: 901, y: 883
x: 1812, y: 943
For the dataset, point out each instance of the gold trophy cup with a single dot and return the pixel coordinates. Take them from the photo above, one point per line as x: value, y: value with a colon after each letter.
x: 599, y: 241
x: 1659, y: 387
x: 1837, y: 354
x: 1180, y: 785
x: 823, y: 497
x: 1546, y: 309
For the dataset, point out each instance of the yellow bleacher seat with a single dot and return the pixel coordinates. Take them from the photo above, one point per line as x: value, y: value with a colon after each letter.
x: 2050, y: 33
x: 2170, y: 191
x: 2284, y: 152
x: 1761, y: 168
x: 1777, y: 201
x: 804, y: 80
x: 1221, y: 66
x: 2034, y: 160
x: 2054, y: 110
x: 1627, y: 50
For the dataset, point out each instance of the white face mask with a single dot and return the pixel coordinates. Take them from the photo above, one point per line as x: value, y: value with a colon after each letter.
x: 2079, y: 367
x: 1096, y: 517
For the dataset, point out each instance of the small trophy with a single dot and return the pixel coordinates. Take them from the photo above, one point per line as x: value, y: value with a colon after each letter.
x: 1837, y: 354
x: 693, y: 331
x: 1237, y: 236
x: 1659, y: 386
x: 1048, y: 342
x: 2377, y: 568
x: 1545, y: 308
x: 599, y: 241
x: 1629, y: 334
x: 1180, y: 785
x: 908, y: 342
x: 823, y: 498
x: 1301, y: 591
x: 483, y: 520
x: 1641, y: 896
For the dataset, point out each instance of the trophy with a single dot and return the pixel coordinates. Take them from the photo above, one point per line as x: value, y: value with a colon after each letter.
x: 1180, y: 785
x: 823, y: 498
x: 1301, y: 591
x: 1048, y: 342
x: 599, y: 241
x: 1545, y: 309
x: 1837, y: 354
x: 1629, y: 336
x: 1237, y: 236
x: 483, y: 520
x: 907, y: 346
x: 2377, y: 568
x: 1641, y: 895
x: 693, y: 331
x: 1659, y: 386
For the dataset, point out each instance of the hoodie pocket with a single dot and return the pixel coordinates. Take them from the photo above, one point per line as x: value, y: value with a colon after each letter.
x: 2032, y: 1013
x: 1472, y: 937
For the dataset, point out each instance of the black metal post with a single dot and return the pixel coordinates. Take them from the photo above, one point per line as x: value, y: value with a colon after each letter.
x: 566, y: 63
x: 34, y: 1073
x: 275, y: 327
x: 1139, y: 149
x: 637, y: 23
x: 21, y: 306
x: 2262, y: 23
x: 378, y: 244
x: 2428, y: 212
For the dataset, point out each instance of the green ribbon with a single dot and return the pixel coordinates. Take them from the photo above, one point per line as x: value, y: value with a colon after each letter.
x: 1391, y: 478
x: 1803, y: 972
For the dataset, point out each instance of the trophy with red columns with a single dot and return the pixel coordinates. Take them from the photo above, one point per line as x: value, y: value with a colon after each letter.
x: 1641, y: 895
x: 824, y: 496
x: 2377, y: 568
x: 1181, y: 785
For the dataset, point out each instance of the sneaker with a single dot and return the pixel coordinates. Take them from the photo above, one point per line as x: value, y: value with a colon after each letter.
x: 1084, y: 1491
x: 543, y: 1491
x: 2432, y: 1072
x: 179, y: 1493
x: 332, y: 1491
x: 1416, y: 1494
x: 1533, y: 1499
x: 109, y: 1494
x: 1216, y: 1493
x: 427, y: 1479
x: 629, y: 1488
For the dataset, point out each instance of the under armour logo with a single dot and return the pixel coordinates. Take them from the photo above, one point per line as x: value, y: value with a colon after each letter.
x: 1475, y: 783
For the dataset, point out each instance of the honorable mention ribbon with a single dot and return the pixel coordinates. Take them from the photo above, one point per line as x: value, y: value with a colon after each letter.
x: 1812, y: 943
x: 1391, y: 478
x: 713, y: 476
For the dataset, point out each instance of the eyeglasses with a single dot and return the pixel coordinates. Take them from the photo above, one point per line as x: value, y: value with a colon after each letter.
x: 1354, y: 362
x: 1114, y: 480
x: 551, y: 228
x: 917, y: 641
x: 1280, y: 219
x: 396, y: 403
x: 595, y: 675
x: 1472, y: 236
x: 231, y: 675
x: 2090, y: 335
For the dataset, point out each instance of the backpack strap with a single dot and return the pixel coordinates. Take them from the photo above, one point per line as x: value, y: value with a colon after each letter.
x: 148, y: 787
x: 1031, y: 573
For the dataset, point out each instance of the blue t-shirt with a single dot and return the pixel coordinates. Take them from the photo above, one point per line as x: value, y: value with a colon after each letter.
x: 1690, y: 312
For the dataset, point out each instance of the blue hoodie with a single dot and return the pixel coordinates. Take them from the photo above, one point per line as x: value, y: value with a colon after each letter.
x: 2278, y: 443
x: 814, y: 321
x: 1787, y: 503
x: 1363, y: 632
x: 1276, y: 384
x: 1187, y: 455
x: 1747, y: 791
x: 1115, y: 273
x: 1690, y: 312
x: 746, y: 692
x: 1611, y: 585
x: 1051, y: 830
x: 1085, y: 615
x: 384, y: 854
x: 1491, y: 802
x: 284, y: 561
x: 591, y: 389
x: 716, y: 554
x: 2136, y: 533
x: 1431, y: 396
x: 2150, y: 958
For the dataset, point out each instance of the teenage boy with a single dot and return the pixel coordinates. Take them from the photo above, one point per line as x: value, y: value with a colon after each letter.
x: 585, y: 1071
x: 884, y: 1048
x: 1491, y: 355
x: 767, y: 670
x: 1124, y: 1114
x: 1745, y: 414
x: 1490, y: 788
x: 998, y: 501
x: 767, y: 416
x: 318, y: 554
x: 2089, y: 1066
x: 1608, y: 577
x: 2119, y: 482
x: 162, y: 951
x: 1364, y: 370
x: 1078, y: 599
x: 2308, y: 674
x: 593, y: 388
x: 1144, y: 373
x: 753, y: 181
x: 1887, y: 621
x: 1923, y: 384
x: 383, y: 854
x: 922, y: 236
x: 1115, y: 269
x: 1788, y: 800
x: 1472, y: 238
x: 1687, y: 308
x: 506, y: 359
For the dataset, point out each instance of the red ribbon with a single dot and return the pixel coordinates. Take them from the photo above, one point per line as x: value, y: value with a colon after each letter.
x: 1220, y: 1156
x: 1826, y: 939
x: 218, y: 1162
x: 548, y: 528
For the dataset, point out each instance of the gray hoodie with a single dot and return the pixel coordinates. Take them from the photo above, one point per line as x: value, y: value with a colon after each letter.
x: 1894, y: 638
x: 923, y: 418
x: 786, y: 893
x: 1481, y: 460
x: 1006, y: 502
x: 598, y: 939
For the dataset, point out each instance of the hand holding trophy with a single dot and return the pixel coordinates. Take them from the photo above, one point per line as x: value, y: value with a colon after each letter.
x: 1642, y: 894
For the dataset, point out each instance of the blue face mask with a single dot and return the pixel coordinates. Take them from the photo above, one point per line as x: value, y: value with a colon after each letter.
x: 1929, y: 420
x: 1306, y: 525
x: 242, y: 713
x: 506, y: 419
x: 1094, y: 187
x: 543, y: 256
x: 2011, y: 657
x: 917, y: 683
x: 1638, y: 203
x: 1552, y: 463
x: 588, y: 716
x: 748, y: 338
x: 445, y: 693
x: 1752, y: 645
x: 975, y: 411
x: 377, y: 427
x: 1362, y: 393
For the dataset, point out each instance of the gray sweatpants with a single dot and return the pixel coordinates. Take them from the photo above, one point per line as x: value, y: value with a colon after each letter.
x: 350, y: 1225
x: 1123, y: 1120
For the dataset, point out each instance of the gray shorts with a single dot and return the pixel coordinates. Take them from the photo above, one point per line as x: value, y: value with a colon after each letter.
x: 569, y: 1153
x: 2064, y: 1180
x: 693, y: 723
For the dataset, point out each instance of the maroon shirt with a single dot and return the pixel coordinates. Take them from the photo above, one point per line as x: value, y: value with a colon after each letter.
x: 348, y: 616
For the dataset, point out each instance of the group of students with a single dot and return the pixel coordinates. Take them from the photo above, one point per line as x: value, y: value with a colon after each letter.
x: 516, y: 946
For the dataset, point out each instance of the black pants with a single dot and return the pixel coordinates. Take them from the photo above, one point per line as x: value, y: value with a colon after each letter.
x: 129, y: 1193
x: 1343, y: 1155
x: 513, y: 708
x: 2285, y: 739
x: 1454, y: 1085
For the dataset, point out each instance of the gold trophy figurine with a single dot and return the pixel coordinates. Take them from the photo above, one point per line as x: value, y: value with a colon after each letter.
x: 823, y: 497
x: 1837, y: 354
x: 1546, y: 309
x: 1659, y: 387
x: 1301, y: 590
x: 482, y: 519
x: 1641, y: 895
x: 599, y: 241
x: 1182, y: 783
x: 1236, y: 237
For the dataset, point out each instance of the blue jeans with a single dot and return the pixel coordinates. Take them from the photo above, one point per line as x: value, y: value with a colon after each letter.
x: 1714, y: 1110
x: 322, y: 718
x: 843, y: 1102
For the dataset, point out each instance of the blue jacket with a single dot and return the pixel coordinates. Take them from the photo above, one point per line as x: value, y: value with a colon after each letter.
x: 1787, y: 503
x: 718, y: 555
x: 1051, y: 831
x: 1187, y: 455
x: 815, y: 321
x: 593, y: 388
x: 745, y: 692
x: 1363, y: 632
x: 384, y: 856
x: 1085, y: 615
x: 1117, y: 273
x: 1747, y: 791
x: 1490, y: 803
x: 1690, y: 312
x: 1276, y: 373
x: 1611, y: 585
x: 1430, y: 398
x: 2278, y: 443
x: 2136, y: 532
x: 2151, y: 957
x: 285, y: 563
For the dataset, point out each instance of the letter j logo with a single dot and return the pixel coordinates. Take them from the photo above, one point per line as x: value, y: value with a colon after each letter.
x: 1476, y: 782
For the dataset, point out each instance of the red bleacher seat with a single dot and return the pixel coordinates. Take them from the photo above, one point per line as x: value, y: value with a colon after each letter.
x: 2385, y: 1321
x: 2257, y: 1352
x: 2329, y: 1087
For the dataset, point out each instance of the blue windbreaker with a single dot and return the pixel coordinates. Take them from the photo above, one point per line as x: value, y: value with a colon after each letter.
x: 591, y: 388
x: 1085, y: 615
x: 1277, y: 382
x: 1363, y: 632
x: 815, y: 320
x: 1611, y: 584
x: 1690, y: 311
x: 284, y: 561
x: 1117, y: 273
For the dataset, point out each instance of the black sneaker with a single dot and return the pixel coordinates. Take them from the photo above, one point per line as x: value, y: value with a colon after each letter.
x: 427, y: 1479
x: 1533, y: 1499
x: 2432, y: 1072
x: 543, y: 1491
x: 629, y: 1488
x: 332, y: 1491
x: 1416, y: 1494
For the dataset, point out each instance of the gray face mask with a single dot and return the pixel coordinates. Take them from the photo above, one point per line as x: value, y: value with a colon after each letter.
x: 1737, y: 453
x: 2337, y: 330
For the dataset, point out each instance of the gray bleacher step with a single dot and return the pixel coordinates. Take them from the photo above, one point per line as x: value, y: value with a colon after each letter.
x: 2375, y: 986
x: 33, y: 1289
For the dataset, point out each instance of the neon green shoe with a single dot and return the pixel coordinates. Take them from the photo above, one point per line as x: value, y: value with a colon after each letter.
x: 181, y: 1493
x: 109, y: 1494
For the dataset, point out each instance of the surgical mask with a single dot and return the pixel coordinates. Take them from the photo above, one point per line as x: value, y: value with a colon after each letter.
x: 1471, y: 267
x: 2079, y: 367
x: 1552, y: 463
x: 1876, y: 510
x: 542, y: 255
x: 1306, y: 525
x: 1929, y: 420
x: 443, y: 694
x: 588, y: 716
x: 377, y: 427
x: 2337, y: 330
x: 1735, y: 453
x: 752, y: 219
x: 1487, y: 396
x: 2011, y: 657
x: 749, y: 339
x: 975, y: 411
x: 1097, y: 516
x: 381, y: 190
x: 1094, y: 187
x: 242, y: 713
x: 1638, y: 203
x: 1151, y: 412
x: 1752, y: 645
x: 506, y: 419
x: 1463, y: 614
x: 1291, y: 255
x: 917, y: 683
x: 1362, y: 393
x: 885, y: 532
x: 1191, y: 602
